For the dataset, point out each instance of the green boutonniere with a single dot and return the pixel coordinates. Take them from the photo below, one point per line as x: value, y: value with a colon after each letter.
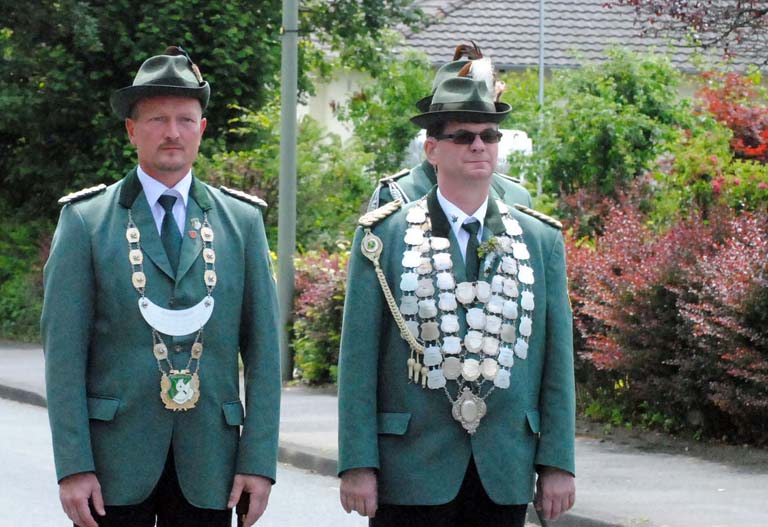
x: 491, y: 245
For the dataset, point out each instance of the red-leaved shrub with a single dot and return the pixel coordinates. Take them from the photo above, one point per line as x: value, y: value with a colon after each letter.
x: 677, y: 316
x: 734, y: 100
x: 318, y: 308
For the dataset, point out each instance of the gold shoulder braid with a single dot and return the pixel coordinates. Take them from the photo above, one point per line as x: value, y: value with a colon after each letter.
x: 549, y: 220
x: 371, y: 247
x: 179, y: 389
x: 82, y: 194
x: 369, y: 219
x: 498, y: 311
x: 244, y: 196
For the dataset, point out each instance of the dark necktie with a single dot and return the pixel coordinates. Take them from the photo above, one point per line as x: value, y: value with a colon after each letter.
x: 471, y: 260
x: 169, y: 231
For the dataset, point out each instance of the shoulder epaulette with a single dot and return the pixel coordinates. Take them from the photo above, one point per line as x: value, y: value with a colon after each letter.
x: 375, y: 216
x: 82, y: 194
x: 244, y: 196
x: 511, y: 178
x: 539, y: 216
x: 393, y: 177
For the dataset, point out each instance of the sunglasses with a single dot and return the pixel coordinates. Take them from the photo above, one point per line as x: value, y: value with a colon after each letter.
x: 465, y: 137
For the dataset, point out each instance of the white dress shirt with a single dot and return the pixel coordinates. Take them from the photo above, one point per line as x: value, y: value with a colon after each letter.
x: 153, y: 189
x: 457, y: 217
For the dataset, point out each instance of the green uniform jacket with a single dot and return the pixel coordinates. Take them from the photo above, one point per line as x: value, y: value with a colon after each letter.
x: 407, y: 432
x: 415, y: 183
x: 102, y: 380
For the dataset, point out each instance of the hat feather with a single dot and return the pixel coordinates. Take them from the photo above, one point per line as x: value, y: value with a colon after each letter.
x: 470, y: 51
x: 482, y: 70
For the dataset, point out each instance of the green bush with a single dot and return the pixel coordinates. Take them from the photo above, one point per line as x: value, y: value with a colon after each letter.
x: 331, y: 178
x: 602, y: 124
x: 23, y: 249
x: 380, y: 111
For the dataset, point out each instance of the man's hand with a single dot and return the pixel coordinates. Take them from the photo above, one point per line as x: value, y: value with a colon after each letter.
x: 258, y: 488
x: 555, y: 492
x: 74, y: 493
x: 359, y: 491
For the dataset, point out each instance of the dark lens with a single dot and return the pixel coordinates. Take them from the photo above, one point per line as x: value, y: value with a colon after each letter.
x: 490, y: 136
x: 463, y: 137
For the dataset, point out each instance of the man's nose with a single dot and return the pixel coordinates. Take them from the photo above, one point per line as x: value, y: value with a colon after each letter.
x: 477, y: 144
x: 172, y: 129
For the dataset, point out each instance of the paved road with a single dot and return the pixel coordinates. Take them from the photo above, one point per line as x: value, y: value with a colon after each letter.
x: 29, y: 494
x: 616, y: 485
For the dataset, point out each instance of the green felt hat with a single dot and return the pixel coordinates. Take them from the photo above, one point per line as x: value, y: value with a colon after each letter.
x: 446, y: 71
x: 171, y: 74
x: 462, y: 99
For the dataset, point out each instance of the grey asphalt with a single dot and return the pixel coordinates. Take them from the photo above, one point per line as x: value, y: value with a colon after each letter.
x: 616, y: 485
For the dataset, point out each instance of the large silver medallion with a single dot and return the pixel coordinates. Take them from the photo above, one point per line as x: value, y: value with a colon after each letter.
x: 468, y: 409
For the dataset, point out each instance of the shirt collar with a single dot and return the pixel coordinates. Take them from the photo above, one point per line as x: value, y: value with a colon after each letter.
x: 153, y: 189
x: 452, y: 211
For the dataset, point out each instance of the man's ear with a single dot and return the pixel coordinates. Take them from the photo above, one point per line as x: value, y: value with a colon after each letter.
x: 429, y: 149
x: 130, y: 125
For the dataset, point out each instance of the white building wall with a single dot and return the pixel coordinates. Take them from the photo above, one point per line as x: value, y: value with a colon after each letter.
x: 331, y: 95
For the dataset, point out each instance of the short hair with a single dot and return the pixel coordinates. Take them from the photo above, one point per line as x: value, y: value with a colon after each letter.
x: 435, y: 129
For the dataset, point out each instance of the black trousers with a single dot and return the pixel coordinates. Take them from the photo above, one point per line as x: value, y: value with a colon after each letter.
x: 166, y: 505
x: 470, y: 508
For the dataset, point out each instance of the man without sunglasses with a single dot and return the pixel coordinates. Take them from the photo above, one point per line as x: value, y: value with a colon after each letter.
x: 408, y: 185
x: 456, y: 382
x: 155, y: 288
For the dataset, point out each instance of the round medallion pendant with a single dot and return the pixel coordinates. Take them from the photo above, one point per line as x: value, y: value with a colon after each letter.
x: 468, y: 410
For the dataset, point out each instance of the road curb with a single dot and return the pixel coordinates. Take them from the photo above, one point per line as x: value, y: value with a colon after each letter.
x: 305, y: 458
x: 22, y: 396
x: 300, y: 457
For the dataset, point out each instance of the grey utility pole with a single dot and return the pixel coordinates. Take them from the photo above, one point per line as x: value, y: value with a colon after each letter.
x: 541, y: 88
x: 286, y: 219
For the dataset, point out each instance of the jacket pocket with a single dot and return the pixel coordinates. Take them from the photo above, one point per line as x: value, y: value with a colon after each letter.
x: 392, y: 423
x: 102, y: 408
x: 532, y: 416
x: 233, y: 413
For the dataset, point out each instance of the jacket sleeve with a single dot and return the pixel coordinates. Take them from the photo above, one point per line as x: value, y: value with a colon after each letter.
x: 557, y: 395
x: 259, y: 349
x: 67, y: 319
x: 358, y: 364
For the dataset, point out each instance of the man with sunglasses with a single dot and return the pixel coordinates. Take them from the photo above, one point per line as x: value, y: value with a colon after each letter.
x: 456, y: 383
x: 408, y: 185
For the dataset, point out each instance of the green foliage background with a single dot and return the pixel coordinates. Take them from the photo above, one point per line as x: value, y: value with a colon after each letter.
x: 62, y: 60
x: 331, y: 177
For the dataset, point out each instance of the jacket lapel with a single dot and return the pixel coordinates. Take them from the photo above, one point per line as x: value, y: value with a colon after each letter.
x: 493, y: 226
x: 441, y: 228
x: 132, y: 197
x: 497, y: 189
x: 191, y: 247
